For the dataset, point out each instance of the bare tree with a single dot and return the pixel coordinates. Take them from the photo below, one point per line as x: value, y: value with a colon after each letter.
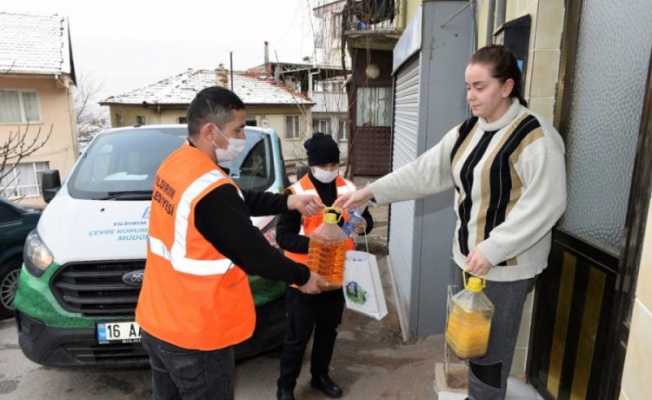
x: 16, y: 147
x: 90, y: 117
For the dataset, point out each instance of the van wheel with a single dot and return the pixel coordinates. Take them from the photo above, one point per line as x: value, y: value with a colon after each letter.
x: 9, y: 273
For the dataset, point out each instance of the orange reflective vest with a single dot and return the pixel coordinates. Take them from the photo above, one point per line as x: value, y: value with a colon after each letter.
x: 192, y: 296
x: 305, y: 186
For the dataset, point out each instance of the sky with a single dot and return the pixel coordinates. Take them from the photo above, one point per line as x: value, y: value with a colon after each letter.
x: 122, y: 45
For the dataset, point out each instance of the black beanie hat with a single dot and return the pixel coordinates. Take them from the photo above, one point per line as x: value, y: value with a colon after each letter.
x: 322, y: 149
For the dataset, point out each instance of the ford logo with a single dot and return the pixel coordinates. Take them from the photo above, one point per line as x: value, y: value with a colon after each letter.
x: 134, y: 278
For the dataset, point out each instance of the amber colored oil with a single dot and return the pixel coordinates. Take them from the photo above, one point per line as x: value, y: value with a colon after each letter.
x: 467, y: 333
x: 327, y: 260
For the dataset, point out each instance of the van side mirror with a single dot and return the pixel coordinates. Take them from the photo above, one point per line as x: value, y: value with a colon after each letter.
x: 50, y: 183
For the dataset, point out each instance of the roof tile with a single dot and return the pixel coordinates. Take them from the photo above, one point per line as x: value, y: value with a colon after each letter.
x: 34, y: 44
x: 182, y: 88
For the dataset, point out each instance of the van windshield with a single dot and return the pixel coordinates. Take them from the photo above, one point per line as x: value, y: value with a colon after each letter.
x: 121, y: 164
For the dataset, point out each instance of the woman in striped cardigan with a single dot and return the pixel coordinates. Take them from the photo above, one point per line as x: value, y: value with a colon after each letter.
x: 507, y: 167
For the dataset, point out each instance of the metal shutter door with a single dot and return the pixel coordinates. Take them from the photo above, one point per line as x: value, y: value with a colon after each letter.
x: 404, y: 150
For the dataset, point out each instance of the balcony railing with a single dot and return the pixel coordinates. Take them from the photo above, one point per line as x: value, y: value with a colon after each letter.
x: 369, y: 17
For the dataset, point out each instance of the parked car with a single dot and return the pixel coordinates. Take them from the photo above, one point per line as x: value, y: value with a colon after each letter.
x: 15, y: 223
x: 85, y: 261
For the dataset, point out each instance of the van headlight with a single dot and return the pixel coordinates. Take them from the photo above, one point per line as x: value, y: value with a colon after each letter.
x: 36, y: 254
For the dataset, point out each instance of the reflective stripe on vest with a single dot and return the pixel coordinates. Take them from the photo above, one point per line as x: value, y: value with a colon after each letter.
x: 348, y: 187
x: 177, y: 256
x: 298, y: 189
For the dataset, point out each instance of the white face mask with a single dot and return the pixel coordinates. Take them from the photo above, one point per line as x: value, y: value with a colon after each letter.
x: 233, y: 150
x: 324, y: 176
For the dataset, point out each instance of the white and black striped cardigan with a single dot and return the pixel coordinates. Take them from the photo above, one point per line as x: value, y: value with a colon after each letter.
x: 510, y: 188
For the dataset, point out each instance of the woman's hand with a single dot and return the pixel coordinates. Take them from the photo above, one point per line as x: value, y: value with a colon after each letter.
x: 355, y: 199
x: 477, y: 264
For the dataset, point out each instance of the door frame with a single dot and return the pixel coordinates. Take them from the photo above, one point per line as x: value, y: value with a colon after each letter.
x: 630, y: 257
x: 637, y: 210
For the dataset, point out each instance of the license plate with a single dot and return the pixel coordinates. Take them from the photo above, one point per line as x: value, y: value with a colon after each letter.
x: 118, y: 332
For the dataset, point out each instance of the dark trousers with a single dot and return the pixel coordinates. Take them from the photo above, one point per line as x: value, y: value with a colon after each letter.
x: 321, y: 313
x: 179, y: 373
x: 488, y: 374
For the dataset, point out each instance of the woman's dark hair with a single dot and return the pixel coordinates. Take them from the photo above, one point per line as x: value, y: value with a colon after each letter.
x: 502, y: 66
x: 212, y: 104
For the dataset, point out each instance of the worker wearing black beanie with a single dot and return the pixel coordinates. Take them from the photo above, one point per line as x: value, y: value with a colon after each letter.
x: 315, y: 316
x: 321, y: 150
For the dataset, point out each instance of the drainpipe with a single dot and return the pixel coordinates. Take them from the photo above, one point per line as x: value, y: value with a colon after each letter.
x: 491, y: 10
x: 65, y: 83
x: 500, y: 13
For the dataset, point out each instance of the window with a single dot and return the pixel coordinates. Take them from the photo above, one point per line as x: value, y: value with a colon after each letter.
x: 318, y: 39
x: 292, y: 127
x: 140, y: 120
x: 256, y: 169
x: 23, y: 180
x: 183, y: 120
x: 336, y: 27
x: 374, y: 106
x: 341, y: 130
x: 321, y: 125
x: 251, y: 120
x: 19, y: 106
x: 119, y: 119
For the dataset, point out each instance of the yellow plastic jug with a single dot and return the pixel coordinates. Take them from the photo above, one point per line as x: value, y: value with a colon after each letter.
x: 327, y: 250
x: 469, y: 320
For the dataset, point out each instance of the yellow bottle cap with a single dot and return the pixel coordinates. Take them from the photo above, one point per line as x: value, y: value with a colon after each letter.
x: 474, y: 285
x: 330, y: 218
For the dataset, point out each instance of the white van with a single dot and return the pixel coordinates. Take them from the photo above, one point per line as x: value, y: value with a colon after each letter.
x: 84, y: 262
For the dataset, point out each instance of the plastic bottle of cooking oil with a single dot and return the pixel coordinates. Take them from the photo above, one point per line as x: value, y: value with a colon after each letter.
x: 469, y: 320
x: 327, y: 250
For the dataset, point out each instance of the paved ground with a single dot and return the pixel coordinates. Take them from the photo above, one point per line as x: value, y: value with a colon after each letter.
x: 370, y: 361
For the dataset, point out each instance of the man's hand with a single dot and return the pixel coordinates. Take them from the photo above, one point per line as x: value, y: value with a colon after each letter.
x: 314, y: 284
x: 477, y: 264
x: 306, y: 204
x: 355, y: 199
